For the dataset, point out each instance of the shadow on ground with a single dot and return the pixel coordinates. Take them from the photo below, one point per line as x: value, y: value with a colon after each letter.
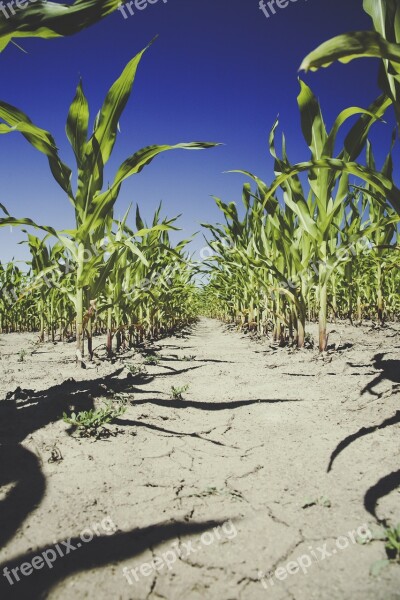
x: 99, y: 552
x: 389, y: 371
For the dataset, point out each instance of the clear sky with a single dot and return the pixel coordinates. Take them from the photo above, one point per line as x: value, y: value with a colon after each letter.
x: 219, y: 71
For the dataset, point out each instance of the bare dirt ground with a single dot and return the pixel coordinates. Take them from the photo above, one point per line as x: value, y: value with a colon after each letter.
x: 270, y: 460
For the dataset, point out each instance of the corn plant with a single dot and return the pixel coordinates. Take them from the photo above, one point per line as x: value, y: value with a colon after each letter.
x: 92, y: 205
x: 383, y: 43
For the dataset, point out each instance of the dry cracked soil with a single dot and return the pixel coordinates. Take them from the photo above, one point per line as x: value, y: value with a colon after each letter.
x: 261, y: 481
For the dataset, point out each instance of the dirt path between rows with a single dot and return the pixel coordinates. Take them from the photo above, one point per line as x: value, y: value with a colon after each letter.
x: 268, y: 463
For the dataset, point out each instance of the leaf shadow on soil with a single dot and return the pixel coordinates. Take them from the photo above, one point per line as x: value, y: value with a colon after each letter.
x: 174, y: 347
x: 173, y: 371
x: 175, y: 358
x: 99, y: 552
x: 26, y: 411
x: 389, y: 371
x: 386, y: 484
x: 20, y: 468
x: 130, y: 422
x: 383, y: 487
x: 394, y: 420
x: 22, y: 413
x: 212, y: 406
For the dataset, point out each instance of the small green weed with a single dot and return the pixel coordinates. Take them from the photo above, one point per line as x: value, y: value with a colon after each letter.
x: 393, y: 543
x: 391, y: 537
x: 177, y: 392
x: 151, y: 360
x: 90, y: 422
x: 136, y: 369
x: 22, y: 355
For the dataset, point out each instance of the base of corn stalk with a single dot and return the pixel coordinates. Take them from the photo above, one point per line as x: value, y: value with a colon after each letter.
x: 90, y: 347
x: 322, y: 317
x: 301, y: 334
x: 323, y: 340
x: 118, y: 339
x: 109, y: 343
x: 79, y: 360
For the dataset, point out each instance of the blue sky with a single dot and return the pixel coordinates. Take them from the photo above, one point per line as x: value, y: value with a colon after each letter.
x: 219, y: 71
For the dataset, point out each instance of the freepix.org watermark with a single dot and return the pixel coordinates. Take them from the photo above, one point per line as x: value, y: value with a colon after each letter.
x: 59, y: 550
x: 180, y: 551
x: 315, y: 555
x: 136, y: 5
x: 270, y: 7
x: 20, y: 4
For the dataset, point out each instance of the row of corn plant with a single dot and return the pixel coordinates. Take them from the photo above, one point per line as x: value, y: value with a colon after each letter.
x: 149, y: 288
x: 294, y: 255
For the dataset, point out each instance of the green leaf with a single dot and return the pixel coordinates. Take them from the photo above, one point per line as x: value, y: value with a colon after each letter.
x: 380, y: 183
x: 340, y: 120
x: 383, y: 15
x: 50, y: 19
x: 135, y: 163
x: 103, y: 203
x: 77, y: 124
x: 356, y: 138
x: 12, y: 221
x: 108, y: 118
x: 311, y: 120
x: 349, y: 46
x: 39, y: 139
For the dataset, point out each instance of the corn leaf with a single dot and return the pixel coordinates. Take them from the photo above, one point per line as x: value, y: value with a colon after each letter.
x: 77, y: 124
x: 44, y: 19
x: 349, y: 46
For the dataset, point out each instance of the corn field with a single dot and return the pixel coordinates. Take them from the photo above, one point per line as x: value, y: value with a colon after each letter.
x: 324, y: 247
x: 203, y: 360
x: 328, y: 250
